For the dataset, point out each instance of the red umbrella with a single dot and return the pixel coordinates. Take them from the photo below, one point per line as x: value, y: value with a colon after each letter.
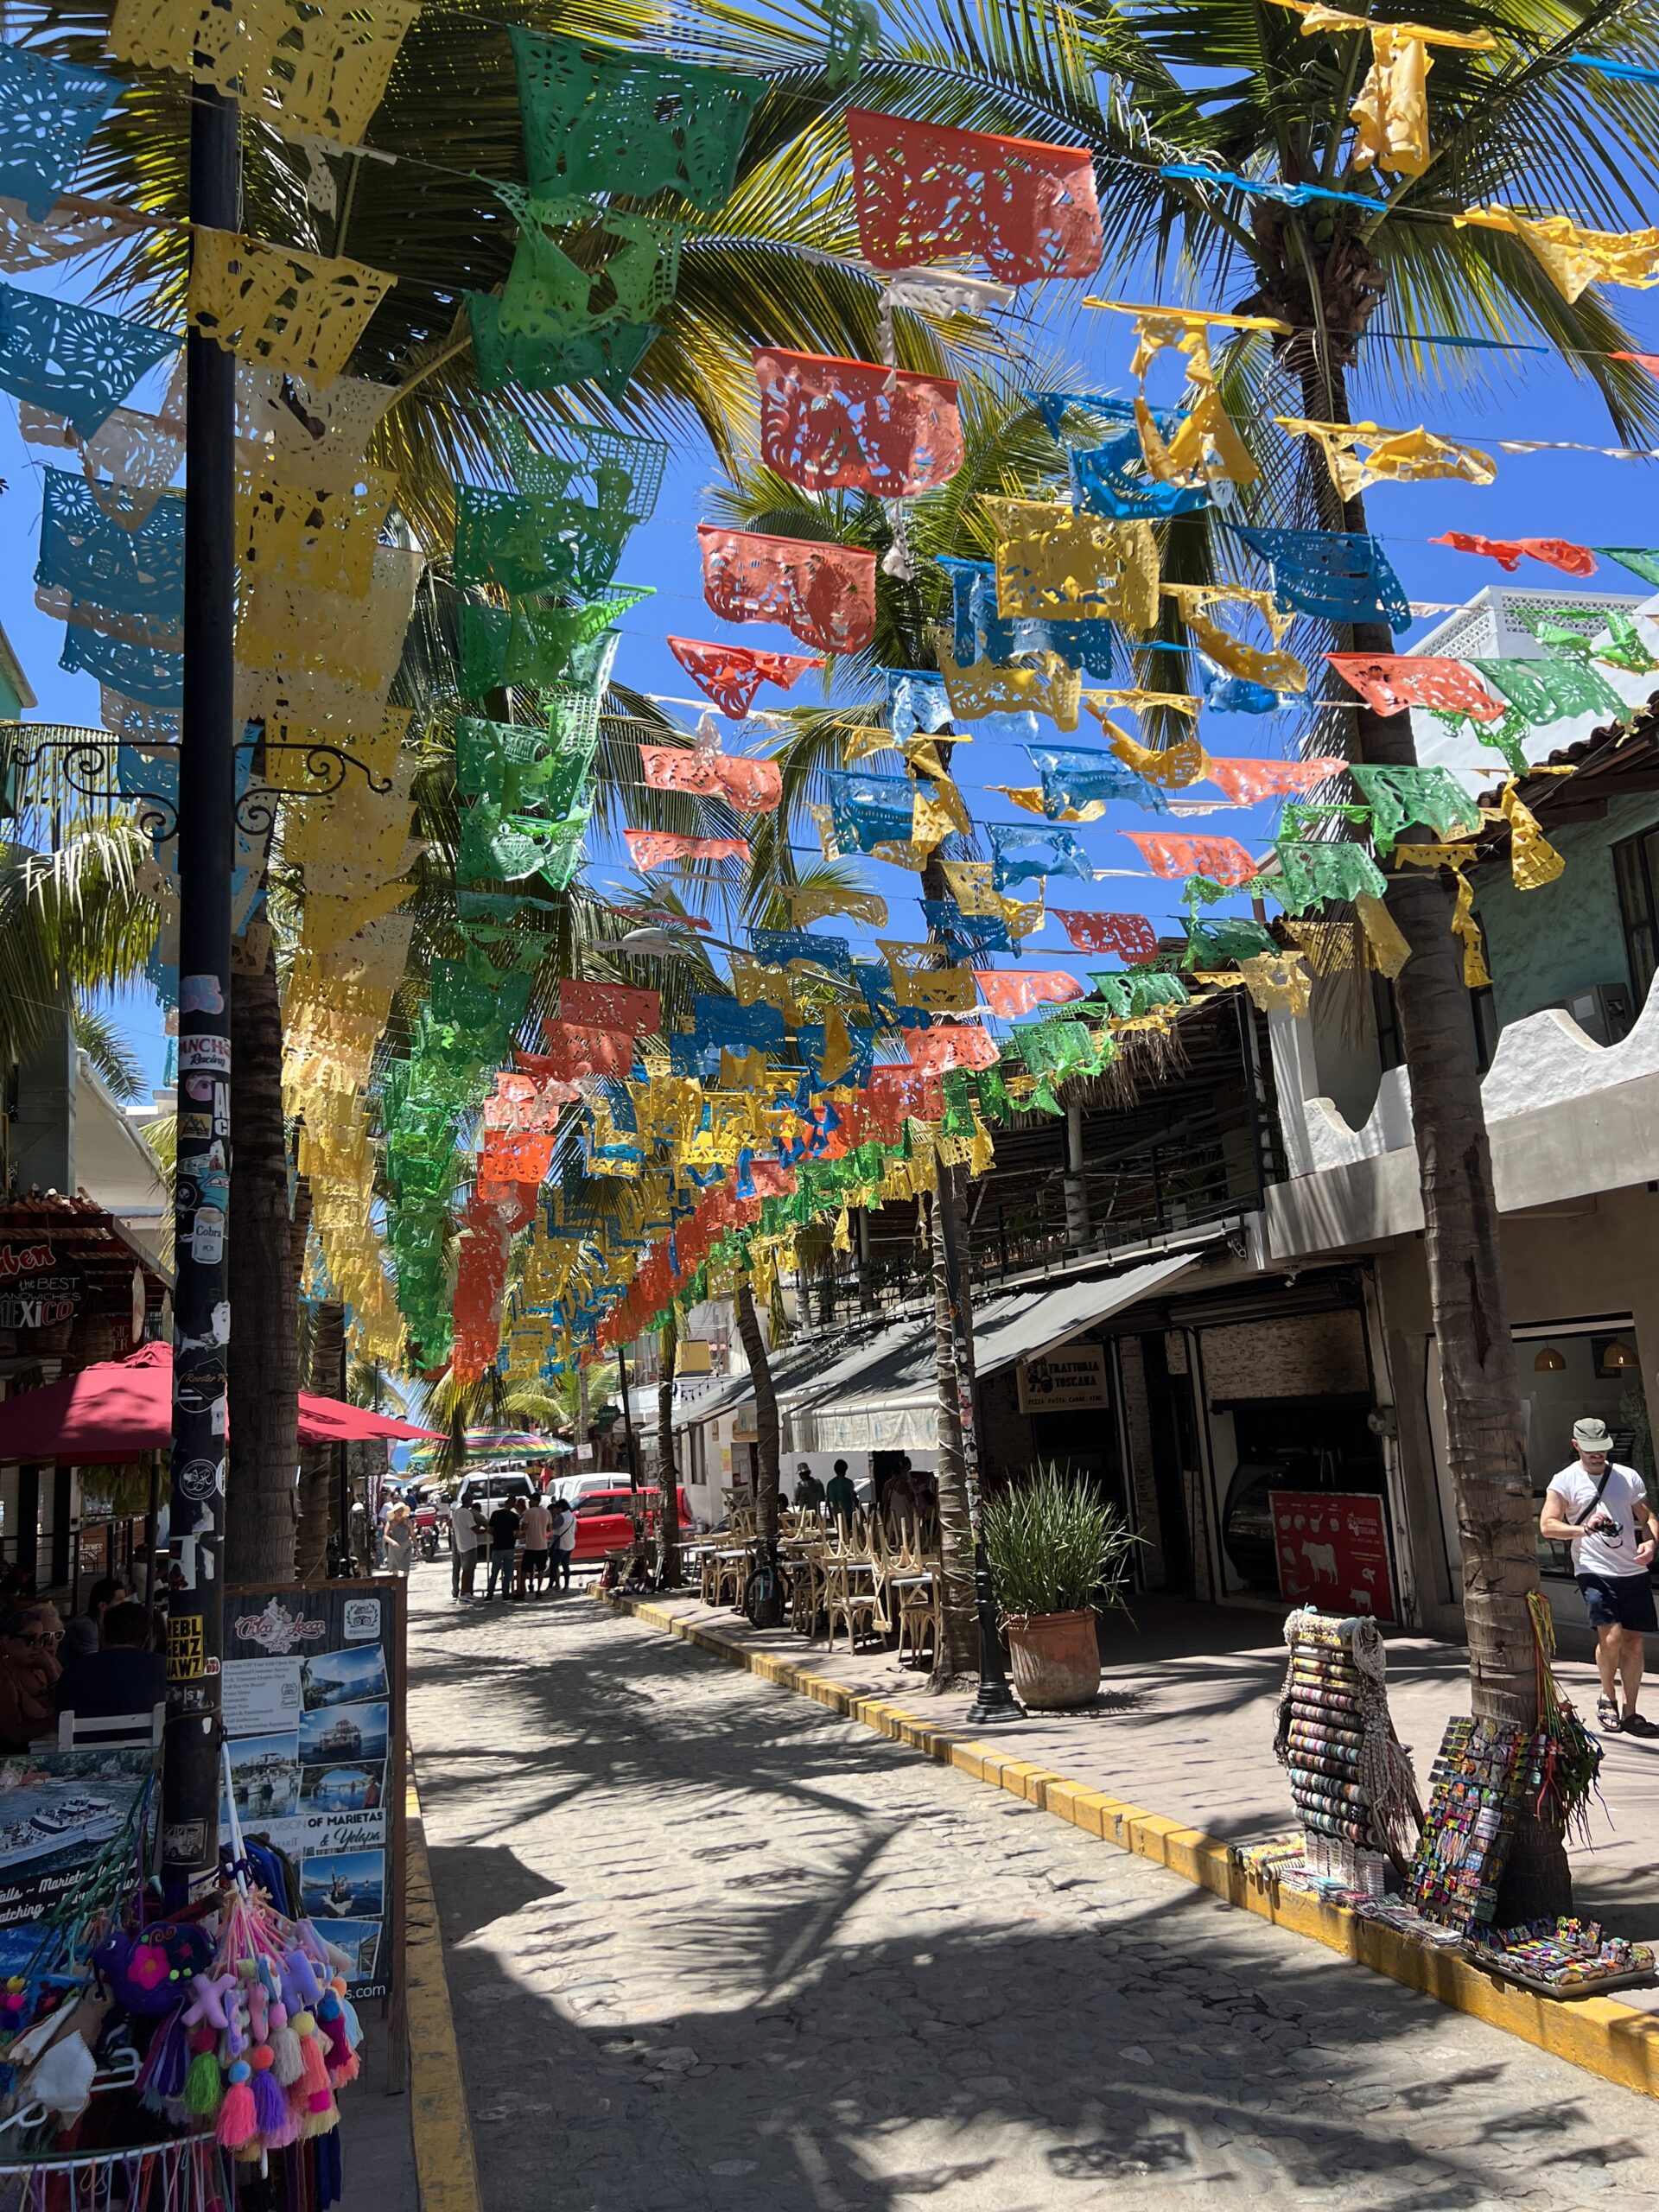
x: 331, y: 1421
x: 119, y: 1407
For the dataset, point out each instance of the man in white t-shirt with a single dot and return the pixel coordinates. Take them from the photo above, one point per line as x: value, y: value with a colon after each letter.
x: 1601, y: 1508
x: 463, y: 1550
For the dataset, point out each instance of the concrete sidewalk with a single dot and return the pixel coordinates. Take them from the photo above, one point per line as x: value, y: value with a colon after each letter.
x: 1185, y: 1727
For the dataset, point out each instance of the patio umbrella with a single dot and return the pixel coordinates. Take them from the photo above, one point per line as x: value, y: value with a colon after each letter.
x: 119, y: 1407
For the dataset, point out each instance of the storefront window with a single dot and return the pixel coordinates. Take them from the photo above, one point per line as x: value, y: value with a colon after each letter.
x: 1566, y: 1371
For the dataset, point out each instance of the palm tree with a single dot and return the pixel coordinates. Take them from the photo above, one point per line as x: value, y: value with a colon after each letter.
x: 765, y: 1424
x: 777, y: 263
x: 1236, y: 85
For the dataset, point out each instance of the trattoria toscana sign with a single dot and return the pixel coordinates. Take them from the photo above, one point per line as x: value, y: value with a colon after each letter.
x: 38, y: 1289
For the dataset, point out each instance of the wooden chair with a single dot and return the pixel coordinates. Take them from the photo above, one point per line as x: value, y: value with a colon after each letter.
x: 920, y: 1598
x: 851, y: 1594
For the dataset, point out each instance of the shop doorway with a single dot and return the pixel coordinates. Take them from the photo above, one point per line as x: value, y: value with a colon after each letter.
x: 1081, y: 1444
x: 1175, y: 1476
x: 1319, y: 1444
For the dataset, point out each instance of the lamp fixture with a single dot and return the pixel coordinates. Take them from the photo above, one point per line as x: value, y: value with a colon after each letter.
x: 1549, y: 1362
x: 1617, y: 1360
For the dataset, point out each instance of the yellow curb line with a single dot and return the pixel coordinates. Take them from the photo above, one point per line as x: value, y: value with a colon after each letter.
x: 445, y: 2166
x: 1615, y: 2040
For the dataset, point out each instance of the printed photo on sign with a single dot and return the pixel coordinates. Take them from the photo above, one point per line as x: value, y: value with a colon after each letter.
x: 343, y: 1885
x: 261, y: 1696
x: 358, y: 1942
x: 59, y: 1811
x: 344, y: 1677
x: 18, y: 1946
x: 344, y: 1732
x: 350, y: 1788
x: 265, y: 1776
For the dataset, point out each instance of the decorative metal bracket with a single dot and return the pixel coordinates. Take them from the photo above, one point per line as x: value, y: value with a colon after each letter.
x: 90, y: 768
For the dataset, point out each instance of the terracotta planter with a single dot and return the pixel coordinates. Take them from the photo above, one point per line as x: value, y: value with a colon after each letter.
x: 1056, y: 1660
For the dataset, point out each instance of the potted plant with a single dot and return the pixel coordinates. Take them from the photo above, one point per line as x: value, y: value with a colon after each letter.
x: 1058, y: 1555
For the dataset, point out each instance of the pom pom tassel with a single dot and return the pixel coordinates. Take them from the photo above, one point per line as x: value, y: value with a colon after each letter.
x: 204, y: 2086
x: 287, y: 2059
x: 167, y: 2063
x: 278, y: 2124
x: 324, y: 2114
x: 238, y: 2117
x: 313, y: 2061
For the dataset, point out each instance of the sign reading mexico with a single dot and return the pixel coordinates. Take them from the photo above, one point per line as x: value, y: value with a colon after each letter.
x: 1064, y: 1380
x: 37, y: 1289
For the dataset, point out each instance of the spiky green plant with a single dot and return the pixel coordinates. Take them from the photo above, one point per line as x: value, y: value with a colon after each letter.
x: 1056, y: 1547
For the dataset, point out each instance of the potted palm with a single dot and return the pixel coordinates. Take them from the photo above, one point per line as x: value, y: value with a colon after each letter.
x: 1058, y: 1556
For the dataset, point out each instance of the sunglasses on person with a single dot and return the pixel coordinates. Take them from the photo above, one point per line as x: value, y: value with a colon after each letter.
x: 51, y: 1636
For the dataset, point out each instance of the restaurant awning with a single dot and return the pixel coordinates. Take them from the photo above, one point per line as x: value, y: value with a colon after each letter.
x: 882, y: 1394
x: 1031, y: 1323
x: 112, y: 1411
x: 723, y: 1395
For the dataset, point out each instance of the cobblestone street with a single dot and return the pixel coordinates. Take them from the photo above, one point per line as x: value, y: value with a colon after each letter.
x: 712, y: 1947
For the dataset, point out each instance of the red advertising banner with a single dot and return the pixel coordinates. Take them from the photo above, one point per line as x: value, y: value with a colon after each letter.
x: 1333, y: 1549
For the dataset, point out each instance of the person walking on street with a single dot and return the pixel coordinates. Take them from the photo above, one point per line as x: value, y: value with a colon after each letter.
x: 841, y: 1497
x: 809, y: 1491
x: 463, y: 1550
x: 504, y: 1540
x: 1601, y: 1508
x: 399, y: 1540
x: 563, y: 1540
x: 537, y: 1528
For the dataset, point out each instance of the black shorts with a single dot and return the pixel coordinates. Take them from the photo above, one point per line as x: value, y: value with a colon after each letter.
x: 1619, y: 1601
x: 535, y: 1562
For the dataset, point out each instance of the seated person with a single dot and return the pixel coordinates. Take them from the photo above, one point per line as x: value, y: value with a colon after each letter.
x: 85, y: 1632
x: 123, y: 1676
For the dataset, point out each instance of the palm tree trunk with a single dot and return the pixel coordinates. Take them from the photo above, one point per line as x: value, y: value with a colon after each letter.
x: 668, y: 1479
x: 957, y: 1653
x: 317, y: 1463
x: 1485, y: 1446
x: 265, y: 1377
x: 956, y: 1660
x: 766, y: 1417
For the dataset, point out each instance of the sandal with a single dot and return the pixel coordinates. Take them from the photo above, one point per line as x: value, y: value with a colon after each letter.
x: 1607, y: 1713
x: 1637, y: 1723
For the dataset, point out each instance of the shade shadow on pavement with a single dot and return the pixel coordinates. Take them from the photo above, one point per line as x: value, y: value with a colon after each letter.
x: 712, y: 1947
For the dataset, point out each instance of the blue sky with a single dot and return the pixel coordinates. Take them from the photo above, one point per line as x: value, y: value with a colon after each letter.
x: 1576, y: 496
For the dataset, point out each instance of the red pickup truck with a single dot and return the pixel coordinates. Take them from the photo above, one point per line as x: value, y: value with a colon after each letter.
x: 605, y: 1522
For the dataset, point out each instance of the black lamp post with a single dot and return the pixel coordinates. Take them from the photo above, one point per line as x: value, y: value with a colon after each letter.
x: 201, y: 1315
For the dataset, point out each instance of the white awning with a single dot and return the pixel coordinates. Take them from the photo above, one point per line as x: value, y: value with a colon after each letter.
x: 1007, y: 1329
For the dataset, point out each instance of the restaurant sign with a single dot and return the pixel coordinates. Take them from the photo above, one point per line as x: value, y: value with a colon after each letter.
x: 38, y: 1289
x: 1064, y: 1380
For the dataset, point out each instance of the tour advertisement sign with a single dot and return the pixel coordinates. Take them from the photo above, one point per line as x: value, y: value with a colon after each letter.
x: 313, y: 1702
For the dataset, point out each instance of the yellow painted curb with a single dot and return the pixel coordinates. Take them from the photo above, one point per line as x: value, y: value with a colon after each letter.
x: 1615, y: 2040
x: 446, y: 2169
